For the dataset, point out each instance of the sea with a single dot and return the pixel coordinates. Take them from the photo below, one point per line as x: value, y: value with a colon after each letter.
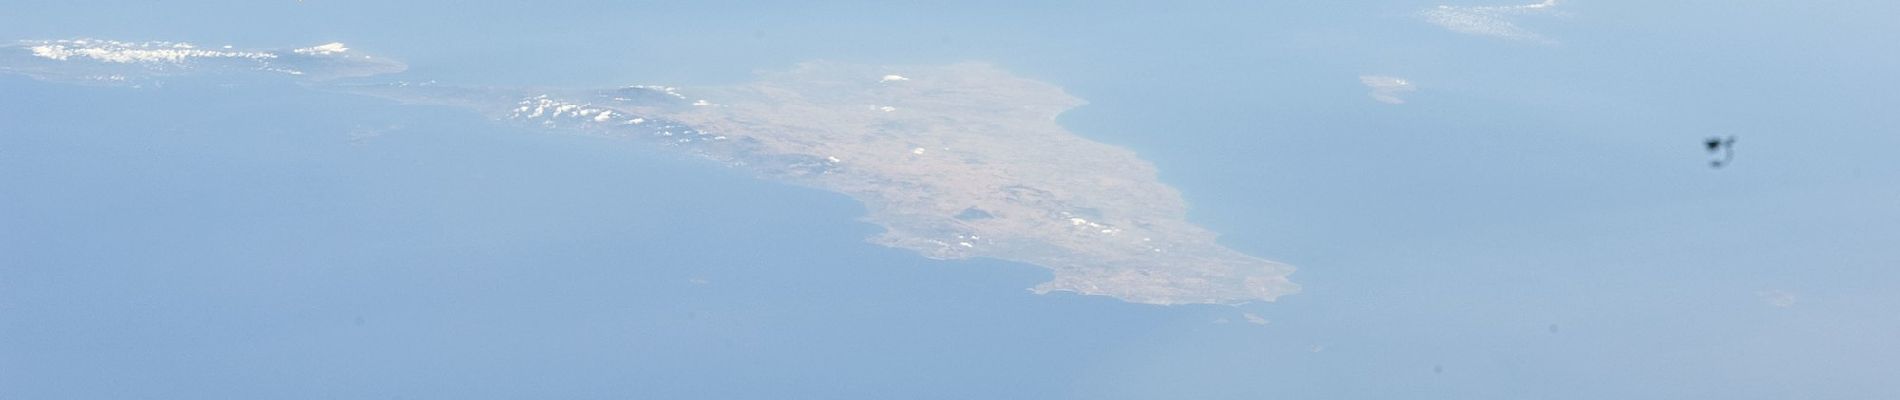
x: 1536, y: 220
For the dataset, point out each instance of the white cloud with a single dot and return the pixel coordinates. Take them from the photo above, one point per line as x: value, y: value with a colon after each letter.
x: 1777, y: 297
x: 139, y: 63
x: 127, y: 53
x: 1386, y: 89
x: 1494, y: 21
x: 323, y: 50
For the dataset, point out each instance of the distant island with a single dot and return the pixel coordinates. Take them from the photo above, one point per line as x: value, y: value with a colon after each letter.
x: 954, y: 161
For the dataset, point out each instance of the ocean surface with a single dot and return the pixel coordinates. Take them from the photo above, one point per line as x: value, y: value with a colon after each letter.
x: 1537, y: 221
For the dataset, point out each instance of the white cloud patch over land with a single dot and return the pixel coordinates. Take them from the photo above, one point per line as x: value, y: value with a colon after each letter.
x: 324, y: 50
x: 1494, y: 21
x: 1386, y: 89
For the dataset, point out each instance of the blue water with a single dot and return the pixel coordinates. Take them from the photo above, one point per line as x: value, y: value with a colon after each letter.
x: 1538, y: 222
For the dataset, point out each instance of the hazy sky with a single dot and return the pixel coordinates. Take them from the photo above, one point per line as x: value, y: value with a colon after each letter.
x: 1485, y: 200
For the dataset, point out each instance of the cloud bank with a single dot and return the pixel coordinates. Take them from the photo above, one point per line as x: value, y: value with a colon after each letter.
x: 113, y: 62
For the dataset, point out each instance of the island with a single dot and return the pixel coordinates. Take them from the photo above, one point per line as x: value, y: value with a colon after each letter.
x: 953, y: 161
